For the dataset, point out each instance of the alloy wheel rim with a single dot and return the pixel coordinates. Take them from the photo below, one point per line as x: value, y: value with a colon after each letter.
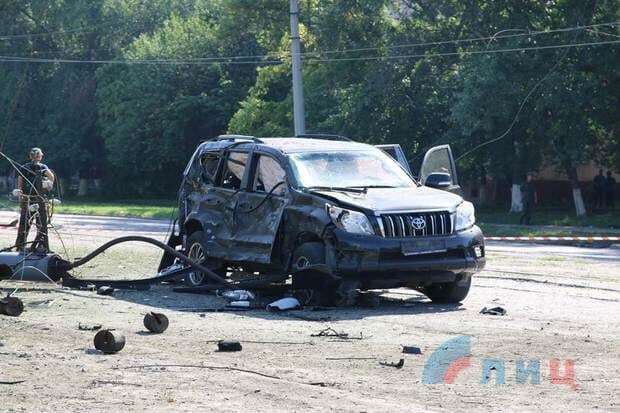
x: 196, y: 254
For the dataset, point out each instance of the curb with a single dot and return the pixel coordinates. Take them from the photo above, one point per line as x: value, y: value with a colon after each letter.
x: 560, y: 240
x: 543, y: 238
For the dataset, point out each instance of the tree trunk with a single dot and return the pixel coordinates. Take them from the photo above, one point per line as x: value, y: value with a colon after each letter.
x: 482, y: 194
x: 62, y: 183
x: 83, y: 188
x: 580, y: 208
x: 517, y: 199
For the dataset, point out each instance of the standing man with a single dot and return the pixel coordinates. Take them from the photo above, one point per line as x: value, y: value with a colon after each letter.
x: 610, y: 189
x: 34, y: 181
x: 529, y: 199
x: 599, y: 189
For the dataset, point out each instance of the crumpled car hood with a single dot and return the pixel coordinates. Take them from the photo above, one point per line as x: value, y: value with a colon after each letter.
x: 398, y: 199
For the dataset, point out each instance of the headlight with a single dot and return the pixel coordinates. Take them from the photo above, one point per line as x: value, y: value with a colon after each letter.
x: 465, y: 216
x: 350, y: 221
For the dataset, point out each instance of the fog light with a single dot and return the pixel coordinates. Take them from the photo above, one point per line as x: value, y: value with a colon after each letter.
x: 479, y: 251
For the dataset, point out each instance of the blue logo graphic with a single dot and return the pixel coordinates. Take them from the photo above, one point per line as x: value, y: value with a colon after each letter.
x: 450, y: 358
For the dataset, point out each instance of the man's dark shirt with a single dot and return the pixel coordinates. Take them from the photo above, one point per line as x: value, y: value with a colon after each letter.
x: 610, y: 184
x: 528, y: 194
x: 599, y: 182
x: 34, y: 173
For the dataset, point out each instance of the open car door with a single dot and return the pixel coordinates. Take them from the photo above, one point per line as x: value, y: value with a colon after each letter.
x: 439, y: 170
x: 396, y: 152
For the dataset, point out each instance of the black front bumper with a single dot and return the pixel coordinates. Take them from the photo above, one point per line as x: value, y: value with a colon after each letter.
x: 370, y: 256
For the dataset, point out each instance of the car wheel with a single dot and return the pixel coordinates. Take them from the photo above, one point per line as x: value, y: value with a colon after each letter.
x: 197, y: 252
x: 452, y: 292
x: 308, y: 254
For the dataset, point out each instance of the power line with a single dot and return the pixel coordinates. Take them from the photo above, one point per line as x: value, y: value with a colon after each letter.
x: 468, y: 40
x: 215, y: 60
x: 469, y: 52
x: 521, y: 106
x: 137, y: 61
x: 496, y: 36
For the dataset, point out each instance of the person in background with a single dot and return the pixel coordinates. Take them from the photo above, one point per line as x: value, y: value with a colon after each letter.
x: 34, y: 181
x: 599, y: 189
x: 529, y: 199
x: 610, y: 189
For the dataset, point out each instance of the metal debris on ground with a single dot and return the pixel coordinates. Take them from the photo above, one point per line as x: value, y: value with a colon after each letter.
x: 283, y: 304
x: 237, y: 295
x: 411, y: 350
x: 398, y: 365
x: 330, y: 332
x: 11, y: 306
x: 12, y: 382
x: 109, y: 341
x: 86, y: 327
x: 239, y: 304
x: 493, y: 311
x: 156, y: 323
x: 105, y: 290
x: 228, y: 345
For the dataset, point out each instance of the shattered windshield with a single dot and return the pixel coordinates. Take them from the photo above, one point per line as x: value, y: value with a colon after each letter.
x: 349, y: 169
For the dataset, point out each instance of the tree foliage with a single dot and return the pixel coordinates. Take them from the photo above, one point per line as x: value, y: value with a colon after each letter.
x: 379, y: 71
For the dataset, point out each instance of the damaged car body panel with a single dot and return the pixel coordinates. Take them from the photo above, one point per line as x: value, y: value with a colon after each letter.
x: 287, y: 205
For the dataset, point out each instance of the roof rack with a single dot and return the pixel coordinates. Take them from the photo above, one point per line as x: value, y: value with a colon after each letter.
x: 234, y: 138
x: 326, y: 136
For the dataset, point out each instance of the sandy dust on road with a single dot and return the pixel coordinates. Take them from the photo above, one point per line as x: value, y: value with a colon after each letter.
x: 558, y: 308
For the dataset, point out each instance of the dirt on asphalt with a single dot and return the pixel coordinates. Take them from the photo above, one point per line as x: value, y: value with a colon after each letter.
x: 557, y: 308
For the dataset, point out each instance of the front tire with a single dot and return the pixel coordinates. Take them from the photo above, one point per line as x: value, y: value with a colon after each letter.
x: 449, y: 293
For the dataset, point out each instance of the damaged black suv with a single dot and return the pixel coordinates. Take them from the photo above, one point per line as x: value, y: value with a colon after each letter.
x: 337, y: 215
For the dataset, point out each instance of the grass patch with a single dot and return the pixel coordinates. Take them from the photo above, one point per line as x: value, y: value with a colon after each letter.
x: 155, y: 208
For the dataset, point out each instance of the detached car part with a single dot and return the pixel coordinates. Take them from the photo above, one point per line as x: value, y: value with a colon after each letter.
x: 11, y: 306
x: 156, y: 323
x: 109, y: 341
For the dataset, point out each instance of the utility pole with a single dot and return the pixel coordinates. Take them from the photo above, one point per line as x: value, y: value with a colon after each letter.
x: 298, y: 86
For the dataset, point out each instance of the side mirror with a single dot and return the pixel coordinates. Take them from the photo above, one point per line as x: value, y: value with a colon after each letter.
x: 438, y: 180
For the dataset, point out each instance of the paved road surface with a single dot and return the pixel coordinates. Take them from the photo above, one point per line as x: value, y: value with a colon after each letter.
x: 111, y: 227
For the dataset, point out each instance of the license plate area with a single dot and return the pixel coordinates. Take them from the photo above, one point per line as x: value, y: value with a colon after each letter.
x: 423, y: 246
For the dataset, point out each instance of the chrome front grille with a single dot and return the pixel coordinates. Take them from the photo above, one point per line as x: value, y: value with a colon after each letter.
x: 416, y: 224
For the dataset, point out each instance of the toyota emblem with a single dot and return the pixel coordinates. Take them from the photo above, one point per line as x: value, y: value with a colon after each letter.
x: 418, y: 223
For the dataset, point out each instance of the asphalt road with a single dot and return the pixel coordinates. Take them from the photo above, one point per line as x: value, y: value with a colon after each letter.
x: 111, y: 227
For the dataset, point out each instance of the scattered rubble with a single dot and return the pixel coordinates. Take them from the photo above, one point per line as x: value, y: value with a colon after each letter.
x: 156, y: 323
x: 11, y: 306
x: 330, y: 332
x: 228, y: 346
x: 109, y: 341
x: 494, y: 311
x: 283, y: 304
x: 411, y: 350
x: 86, y: 327
x: 398, y: 365
x: 105, y: 290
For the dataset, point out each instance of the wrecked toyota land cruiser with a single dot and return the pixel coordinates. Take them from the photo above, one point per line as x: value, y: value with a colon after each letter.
x: 337, y: 215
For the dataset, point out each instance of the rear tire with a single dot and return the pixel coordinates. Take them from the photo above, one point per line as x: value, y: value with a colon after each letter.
x: 197, y: 252
x: 449, y: 293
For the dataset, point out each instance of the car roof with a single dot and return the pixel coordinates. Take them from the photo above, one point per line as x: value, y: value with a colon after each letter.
x: 296, y: 145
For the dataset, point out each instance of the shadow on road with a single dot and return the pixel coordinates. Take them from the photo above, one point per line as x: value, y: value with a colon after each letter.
x: 373, y: 304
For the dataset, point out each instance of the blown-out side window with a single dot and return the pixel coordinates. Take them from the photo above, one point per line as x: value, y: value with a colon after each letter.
x: 208, y: 166
x: 234, y: 168
x: 268, y: 175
